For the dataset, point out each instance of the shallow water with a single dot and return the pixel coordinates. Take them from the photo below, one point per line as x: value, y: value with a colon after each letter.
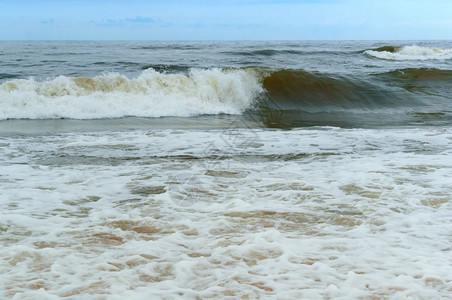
x: 317, y: 212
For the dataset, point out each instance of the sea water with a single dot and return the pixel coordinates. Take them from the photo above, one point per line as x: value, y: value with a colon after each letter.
x: 289, y: 170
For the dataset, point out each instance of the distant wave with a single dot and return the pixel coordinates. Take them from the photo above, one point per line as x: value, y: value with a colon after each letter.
x: 217, y: 91
x: 427, y: 81
x: 421, y: 74
x: 409, y: 53
x: 264, y: 52
x: 168, y: 68
x: 281, y: 52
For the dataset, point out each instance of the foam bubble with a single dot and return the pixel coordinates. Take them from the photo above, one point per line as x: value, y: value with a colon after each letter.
x: 151, y: 94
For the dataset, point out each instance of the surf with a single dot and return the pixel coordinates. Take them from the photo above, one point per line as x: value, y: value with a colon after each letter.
x: 413, y: 52
x: 112, y: 95
x: 170, y: 92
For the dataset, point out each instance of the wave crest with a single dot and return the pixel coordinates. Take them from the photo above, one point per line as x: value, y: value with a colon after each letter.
x: 151, y: 94
x: 219, y: 91
x: 410, y: 53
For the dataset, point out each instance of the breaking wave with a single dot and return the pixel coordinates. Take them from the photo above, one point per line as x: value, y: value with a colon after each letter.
x: 168, y: 92
x: 151, y: 94
x: 410, y: 53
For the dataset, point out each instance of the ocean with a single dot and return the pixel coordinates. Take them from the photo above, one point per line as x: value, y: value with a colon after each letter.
x: 274, y: 170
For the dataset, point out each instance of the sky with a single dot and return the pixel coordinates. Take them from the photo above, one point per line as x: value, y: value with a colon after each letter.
x: 225, y: 20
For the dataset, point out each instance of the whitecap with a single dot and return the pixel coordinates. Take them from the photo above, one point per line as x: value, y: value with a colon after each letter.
x: 412, y: 53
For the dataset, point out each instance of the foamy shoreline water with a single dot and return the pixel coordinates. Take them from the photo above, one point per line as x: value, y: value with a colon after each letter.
x: 321, y: 212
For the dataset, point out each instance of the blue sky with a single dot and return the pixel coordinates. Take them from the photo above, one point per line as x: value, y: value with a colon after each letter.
x: 225, y: 20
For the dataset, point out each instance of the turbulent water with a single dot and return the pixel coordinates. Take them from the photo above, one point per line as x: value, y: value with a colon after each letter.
x: 226, y: 169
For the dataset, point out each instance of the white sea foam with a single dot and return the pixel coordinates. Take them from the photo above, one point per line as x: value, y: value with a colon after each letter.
x: 151, y: 94
x: 413, y: 53
x: 313, y: 213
